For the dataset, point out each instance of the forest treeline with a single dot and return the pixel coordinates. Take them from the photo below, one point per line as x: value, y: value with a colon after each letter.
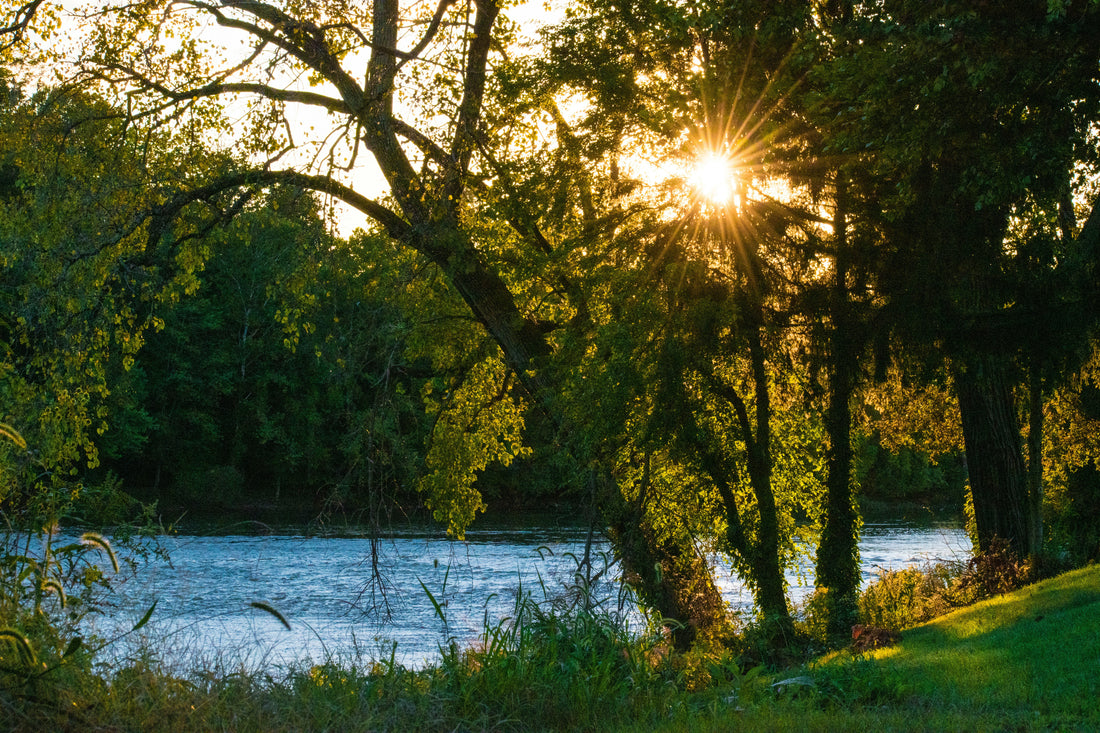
x: 265, y: 390
x: 899, y: 290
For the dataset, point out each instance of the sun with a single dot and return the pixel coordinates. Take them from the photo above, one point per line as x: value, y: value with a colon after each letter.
x: 713, y: 177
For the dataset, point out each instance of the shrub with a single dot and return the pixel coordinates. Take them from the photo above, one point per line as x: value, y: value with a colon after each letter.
x: 899, y: 599
x: 902, y: 598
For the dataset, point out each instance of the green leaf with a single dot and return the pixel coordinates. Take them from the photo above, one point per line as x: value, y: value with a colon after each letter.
x: 145, y: 619
x: 73, y: 646
x: 435, y: 604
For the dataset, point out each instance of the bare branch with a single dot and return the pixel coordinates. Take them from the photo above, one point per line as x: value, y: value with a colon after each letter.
x: 423, y: 143
x: 394, y: 225
x: 301, y: 39
x: 219, y: 88
x: 429, y: 34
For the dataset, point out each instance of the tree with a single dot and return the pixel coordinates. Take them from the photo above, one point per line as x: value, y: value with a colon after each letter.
x: 995, y: 122
x: 716, y: 79
x: 1070, y: 450
x: 78, y: 290
x: 440, y: 189
x: 589, y: 293
x: 456, y: 198
x: 285, y: 369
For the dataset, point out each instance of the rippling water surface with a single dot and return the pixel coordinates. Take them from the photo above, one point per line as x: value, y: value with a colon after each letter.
x: 322, y: 586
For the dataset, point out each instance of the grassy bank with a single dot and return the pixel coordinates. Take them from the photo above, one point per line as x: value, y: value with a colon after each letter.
x: 1029, y: 660
x: 1025, y: 660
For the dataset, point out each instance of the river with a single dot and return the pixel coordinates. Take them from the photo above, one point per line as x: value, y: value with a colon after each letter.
x: 322, y: 586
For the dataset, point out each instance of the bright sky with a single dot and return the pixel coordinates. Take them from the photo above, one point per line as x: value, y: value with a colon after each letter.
x: 306, y: 123
x: 529, y: 15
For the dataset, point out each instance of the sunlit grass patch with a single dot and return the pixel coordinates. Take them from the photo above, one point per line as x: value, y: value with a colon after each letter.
x: 1033, y: 654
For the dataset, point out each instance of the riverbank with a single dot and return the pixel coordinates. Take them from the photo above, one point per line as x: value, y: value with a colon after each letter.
x: 1023, y: 661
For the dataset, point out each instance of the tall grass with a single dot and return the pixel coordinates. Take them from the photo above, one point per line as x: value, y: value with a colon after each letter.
x: 560, y: 660
x: 534, y: 670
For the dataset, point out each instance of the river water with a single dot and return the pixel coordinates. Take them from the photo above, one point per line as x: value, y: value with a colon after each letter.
x: 322, y: 586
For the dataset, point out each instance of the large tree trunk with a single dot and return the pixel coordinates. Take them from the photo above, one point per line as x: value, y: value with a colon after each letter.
x: 1035, y: 455
x: 665, y: 570
x: 998, y: 476
x: 838, y: 554
x: 771, y: 594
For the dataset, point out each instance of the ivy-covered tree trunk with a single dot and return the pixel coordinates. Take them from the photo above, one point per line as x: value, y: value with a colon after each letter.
x: 994, y: 459
x: 838, y: 554
x: 665, y: 570
x: 759, y: 551
x: 771, y: 590
x: 670, y: 578
x: 756, y: 548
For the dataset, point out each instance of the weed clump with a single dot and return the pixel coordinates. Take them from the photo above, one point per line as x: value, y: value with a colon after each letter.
x: 900, y: 599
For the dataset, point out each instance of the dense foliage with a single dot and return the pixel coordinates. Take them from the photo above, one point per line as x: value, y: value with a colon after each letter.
x: 283, y: 379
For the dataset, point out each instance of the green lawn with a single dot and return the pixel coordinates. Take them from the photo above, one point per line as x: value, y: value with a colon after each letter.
x: 1036, y: 651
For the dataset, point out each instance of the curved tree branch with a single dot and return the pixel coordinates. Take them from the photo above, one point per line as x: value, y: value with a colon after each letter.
x: 469, y: 110
x: 429, y: 34
x: 394, y: 225
x: 301, y: 39
x: 20, y: 20
x: 216, y: 89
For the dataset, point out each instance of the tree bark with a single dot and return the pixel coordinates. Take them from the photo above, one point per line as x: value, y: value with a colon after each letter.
x: 664, y: 569
x: 991, y: 434
x: 771, y: 592
x: 1035, y: 456
x: 838, y: 554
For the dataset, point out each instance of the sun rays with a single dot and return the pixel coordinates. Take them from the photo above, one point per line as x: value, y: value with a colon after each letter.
x: 713, y: 177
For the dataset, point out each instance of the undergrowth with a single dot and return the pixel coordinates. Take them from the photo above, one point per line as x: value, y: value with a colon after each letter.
x: 901, y: 599
x: 567, y: 662
x: 543, y: 668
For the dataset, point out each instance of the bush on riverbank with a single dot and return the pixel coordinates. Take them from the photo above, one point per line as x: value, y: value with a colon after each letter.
x: 900, y: 599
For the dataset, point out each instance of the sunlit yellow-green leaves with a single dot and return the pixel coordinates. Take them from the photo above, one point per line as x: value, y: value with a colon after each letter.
x: 82, y: 287
x: 477, y: 423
